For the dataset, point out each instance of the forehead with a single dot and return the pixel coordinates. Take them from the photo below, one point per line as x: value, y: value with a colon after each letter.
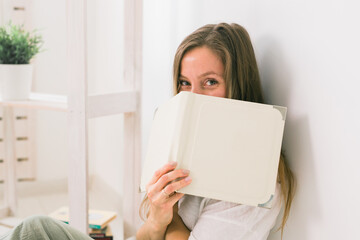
x: 200, y: 60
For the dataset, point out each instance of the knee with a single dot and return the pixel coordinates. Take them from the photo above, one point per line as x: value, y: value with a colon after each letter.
x: 34, y: 227
x: 37, y: 220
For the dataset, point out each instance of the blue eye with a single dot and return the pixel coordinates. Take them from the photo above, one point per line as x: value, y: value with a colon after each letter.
x: 211, y: 82
x: 184, y: 83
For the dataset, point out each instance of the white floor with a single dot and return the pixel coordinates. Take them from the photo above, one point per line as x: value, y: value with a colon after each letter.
x: 42, y: 199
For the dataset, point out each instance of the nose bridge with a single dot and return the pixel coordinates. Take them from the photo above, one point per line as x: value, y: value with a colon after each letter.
x: 195, y: 89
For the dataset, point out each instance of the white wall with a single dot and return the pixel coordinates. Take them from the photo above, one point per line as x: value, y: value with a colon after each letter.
x: 157, y: 60
x: 308, y: 54
x: 105, y: 72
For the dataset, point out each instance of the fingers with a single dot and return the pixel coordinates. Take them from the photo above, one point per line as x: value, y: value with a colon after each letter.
x: 166, y: 168
x: 166, y: 181
x: 170, y: 177
x: 175, y: 186
x: 161, y: 191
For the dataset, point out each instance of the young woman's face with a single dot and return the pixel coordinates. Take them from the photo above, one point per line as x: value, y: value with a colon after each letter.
x: 202, y: 72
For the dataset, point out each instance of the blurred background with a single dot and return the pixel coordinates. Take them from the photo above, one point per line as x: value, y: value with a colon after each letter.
x: 308, y: 56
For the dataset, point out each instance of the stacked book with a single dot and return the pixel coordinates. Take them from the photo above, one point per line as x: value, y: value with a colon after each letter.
x: 104, y: 233
x: 98, y: 222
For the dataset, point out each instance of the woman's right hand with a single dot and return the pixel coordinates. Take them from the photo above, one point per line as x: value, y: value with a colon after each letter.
x: 162, y: 195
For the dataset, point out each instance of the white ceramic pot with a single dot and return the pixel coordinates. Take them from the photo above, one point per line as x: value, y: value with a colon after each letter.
x: 15, y: 81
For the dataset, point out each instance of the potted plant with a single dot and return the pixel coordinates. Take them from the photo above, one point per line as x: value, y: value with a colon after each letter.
x: 17, y: 48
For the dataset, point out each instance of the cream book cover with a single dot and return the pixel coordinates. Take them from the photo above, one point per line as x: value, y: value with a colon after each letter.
x: 231, y: 147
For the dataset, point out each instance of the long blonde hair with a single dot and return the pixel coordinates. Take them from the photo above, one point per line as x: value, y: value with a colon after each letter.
x: 232, y: 44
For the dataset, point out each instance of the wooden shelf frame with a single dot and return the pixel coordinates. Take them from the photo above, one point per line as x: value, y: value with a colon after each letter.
x: 39, y: 101
x: 133, y: 42
x: 10, y: 196
x: 80, y: 107
x: 97, y: 105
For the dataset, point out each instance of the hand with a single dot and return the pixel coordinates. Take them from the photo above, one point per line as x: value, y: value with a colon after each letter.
x: 161, y: 191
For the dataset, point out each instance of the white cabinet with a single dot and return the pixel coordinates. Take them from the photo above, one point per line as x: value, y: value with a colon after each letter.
x: 24, y: 144
x: 18, y: 143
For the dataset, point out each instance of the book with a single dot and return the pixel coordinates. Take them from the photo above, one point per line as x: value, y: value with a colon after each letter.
x: 104, y: 233
x: 231, y: 147
x: 97, y: 219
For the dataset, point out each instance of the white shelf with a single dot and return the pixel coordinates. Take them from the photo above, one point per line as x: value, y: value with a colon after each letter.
x: 40, y: 101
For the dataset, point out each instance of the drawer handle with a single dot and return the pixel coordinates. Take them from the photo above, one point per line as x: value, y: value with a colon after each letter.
x: 19, y: 8
x: 22, y: 138
x: 25, y: 179
x: 22, y: 159
x: 21, y: 117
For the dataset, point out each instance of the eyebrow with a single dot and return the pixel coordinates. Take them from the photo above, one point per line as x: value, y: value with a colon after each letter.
x: 203, y: 75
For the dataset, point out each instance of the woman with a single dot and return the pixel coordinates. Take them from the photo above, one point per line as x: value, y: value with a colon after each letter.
x: 216, y: 60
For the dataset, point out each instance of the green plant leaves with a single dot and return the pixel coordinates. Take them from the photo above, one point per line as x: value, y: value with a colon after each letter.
x: 18, y: 46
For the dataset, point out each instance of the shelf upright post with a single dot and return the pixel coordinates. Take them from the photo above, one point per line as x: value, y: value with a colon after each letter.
x: 77, y: 114
x: 132, y: 125
x: 10, y: 162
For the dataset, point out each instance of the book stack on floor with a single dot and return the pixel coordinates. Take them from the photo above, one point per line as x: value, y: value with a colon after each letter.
x: 98, y: 222
x: 104, y: 233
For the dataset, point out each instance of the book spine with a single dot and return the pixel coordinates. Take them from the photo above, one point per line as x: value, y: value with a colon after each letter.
x: 93, y: 226
x: 180, y: 132
x: 97, y: 235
